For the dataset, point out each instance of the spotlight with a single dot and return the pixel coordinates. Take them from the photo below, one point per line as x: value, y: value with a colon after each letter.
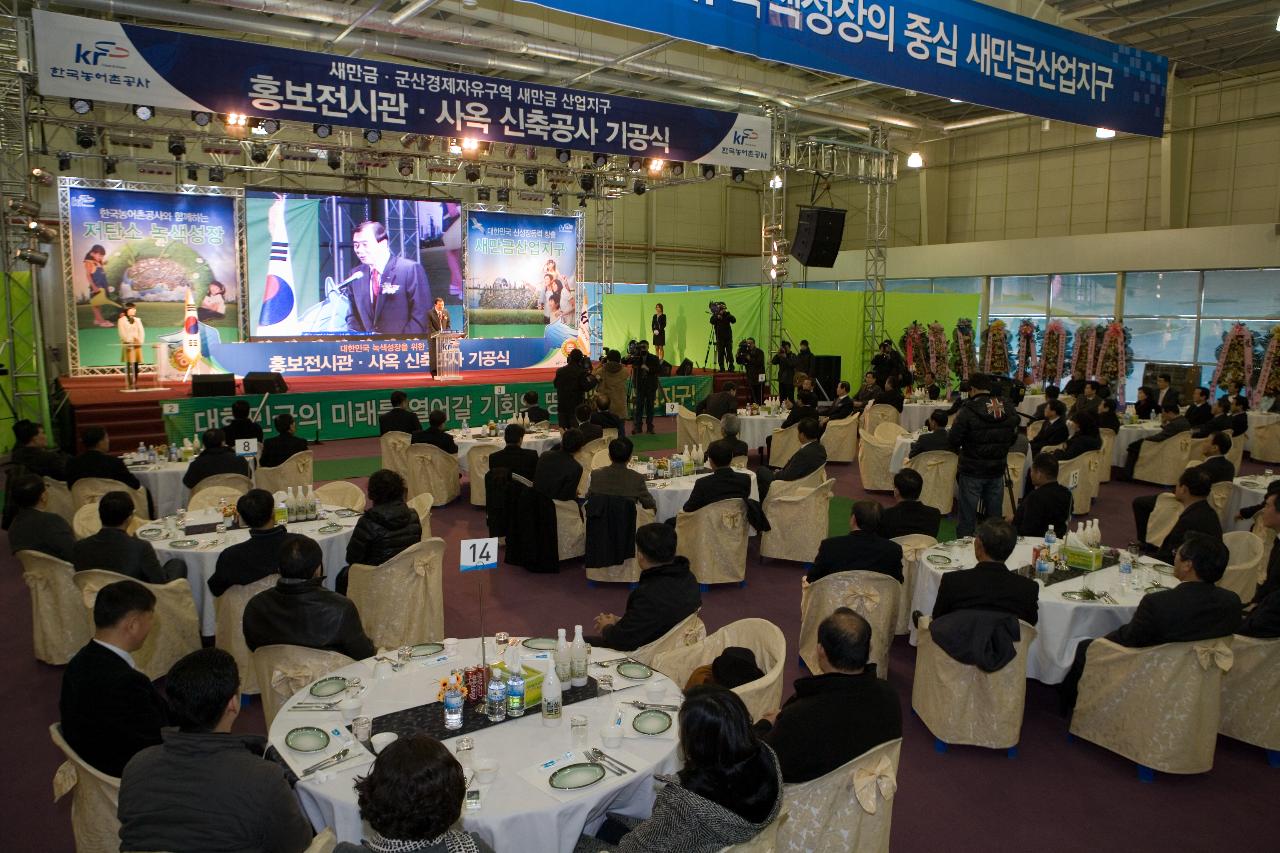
x: 217, y: 174
x: 41, y: 232
x: 455, y: 147
x: 639, y: 187
x: 323, y: 131
x: 109, y: 165
x: 599, y: 160
x: 259, y: 153
x: 504, y: 195
x: 587, y: 182
x: 708, y: 171
x: 530, y: 177
x: 177, y: 146
x: 1104, y: 133
x: 737, y: 175
x: 915, y: 160
x: 775, y: 183
x: 472, y: 173
x: 677, y: 169
x: 236, y: 120
x: 31, y: 256
x: 334, y: 159
x: 406, y: 167
x: 41, y: 176
x: 267, y: 126
x: 142, y: 112
x: 372, y: 135
x: 193, y: 173
x: 22, y: 207
x: 64, y: 161
x: 81, y: 106
x: 482, y: 194
x: 563, y: 155
x: 201, y: 118
x: 470, y: 144
x: 635, y: 164
x: 86, y: 137
x: 655, y: 165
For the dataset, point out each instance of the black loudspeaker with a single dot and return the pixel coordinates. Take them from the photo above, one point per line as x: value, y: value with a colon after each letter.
x: 826, y: 369
x: 262, y: 382
x: 818, y: 236
x: 213, y: 385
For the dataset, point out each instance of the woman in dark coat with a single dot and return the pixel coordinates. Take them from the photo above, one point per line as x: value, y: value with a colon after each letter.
x: 386, y: 528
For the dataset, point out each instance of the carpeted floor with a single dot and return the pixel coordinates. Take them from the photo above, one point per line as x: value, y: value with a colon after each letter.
x: 1055, y: 796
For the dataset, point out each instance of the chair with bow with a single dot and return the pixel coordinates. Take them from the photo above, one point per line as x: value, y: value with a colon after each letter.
x: 875, y: 451
x: 799, y: 517
x: 571, y: 530
x: 1158, y: 706
x: 59, y: 501
x: 1163, y: 517
x: 765, y: 640
x: 1033, y: 429
x: 422, y: 505
x: 766, y: 841
x: 714, y: 538
x: 341, y: 493
x: 585, y: 456
x: 238, y: 483
x: 1241, y: 576
x: 880, y: 413
x: 850, y: 808
x: 1016, y: 467
x: 1236, y: 453
x: 840, y: 438
x: 961, y: 704
x: 872, y: 595
x: 1108, y: 454
x: 1250, y: 712
x: 95, y: 797
x: 599, y: 460
x: 208, y: 498
x: 686, y: 427
x: 738, y: 463
x: 89, y: 490
x: 913, y: 547
x: 783, y: 445
x: 433, y: 471
x: 1220, y: 499
x: 87, y: 522
x: 395, y: 451
x: 283, y: 670
x: 1266, y: 443
x: 627, y: 571
x: 228, y: 610
x: 689, y: 631
x: 175, y: 631
x: 477, y: 467
x: 938, y: 469
x: 296, y: 471
x: 1080, y: 476
x: 708, y: 430
x: 58, y: 626
x: 401, y: 602
x: 1163, y: 462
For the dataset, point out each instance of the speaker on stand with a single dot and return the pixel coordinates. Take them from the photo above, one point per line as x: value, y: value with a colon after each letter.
x: 818, y: 235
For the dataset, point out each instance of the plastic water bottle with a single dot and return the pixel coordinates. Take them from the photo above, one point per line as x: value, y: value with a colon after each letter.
x: 552, y: 701
x: 1051, y: 541
x: 1043, y: 567
x: 142, y: 451
x: 495, y: 706
x: 578, y: 659
x: 563, y: 665
x: 515, y: 689
x: 453, y: 704
x: 1126, y: 570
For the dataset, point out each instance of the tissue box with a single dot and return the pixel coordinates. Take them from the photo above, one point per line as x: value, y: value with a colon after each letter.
x: 1089, y: 559
x: 532, y: 683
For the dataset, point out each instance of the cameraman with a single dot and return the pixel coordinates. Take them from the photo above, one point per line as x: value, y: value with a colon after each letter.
x: 786, y: 363
x: 644, y: 381
x: 751, y: 358
x: 722, y: 321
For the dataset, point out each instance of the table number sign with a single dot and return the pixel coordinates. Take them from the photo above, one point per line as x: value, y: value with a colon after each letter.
x: 479, y: 555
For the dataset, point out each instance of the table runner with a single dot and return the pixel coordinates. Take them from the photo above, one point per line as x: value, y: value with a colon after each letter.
x: 429, y: 718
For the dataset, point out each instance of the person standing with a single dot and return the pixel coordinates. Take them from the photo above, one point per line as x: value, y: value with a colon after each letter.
x: 752, y: 360
x: 806, y: 362
x: 132, y: 336
x: 722, y: 321
x: 611, y: 379
x: 889, y: 363
x: 572, y: 382
x: 389, y: 294
x: 644, y: 379
x: 984, y: 430
x: 658, y: 326
x: 437, y: 322
x: 785, y: 361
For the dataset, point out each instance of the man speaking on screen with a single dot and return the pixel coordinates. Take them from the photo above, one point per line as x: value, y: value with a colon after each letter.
x: 388, y: 294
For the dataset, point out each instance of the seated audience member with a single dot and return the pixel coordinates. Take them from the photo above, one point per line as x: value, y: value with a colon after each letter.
x: 1219, y: 420
x: 733, y: 667
x: 1089, y: 401
x: 936, y: 438
x: 617, y: 479
x: 114, y: 549
x: 513, y: 457
x: 1145, y: 403
x: 720, y: 403
x: 1173, y: 424
x: 809, y: 458
x: 806, y: 407
x: 891, y: 395
x: 412, y: 800
x: 729, y: 425
x: 930, y: 387
x: 205, y: 788
x: 838, y: 715
x: 557, y: 474
x: 1107, y: 417
x: 862, y: 548
x: 532, y: 410
x: 398, y: 418
x: 388, y: 527
x: 241, y: 425
x: 909, y: 515
x: 109, y: 709
x: 1216, y: 464
x: 299, y: 611
x: 868, y: 392
x: 96, y: 462
x: 435, y: 433
x: 1270, y: 510
x: 217, y: 458
x: 1165, y: 393
x: 259, y: 556
x: 665, y: 596
x: 589, y: 430
x: 722, y: 483
x: 31, y: 451
x: 1239, y: 415
x: 990, y: 585
x: 1082, y: 429
x: 1197, y: 515
x: 1051, y: 393
x: 1055, y: 430
x: 603, y: 418
x: 1047, y: 504
x: 842, y: 406
x: 1199, y: 412
x: 34, y: 529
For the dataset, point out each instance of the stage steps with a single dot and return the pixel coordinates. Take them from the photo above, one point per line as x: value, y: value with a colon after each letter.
x: 126, y: 423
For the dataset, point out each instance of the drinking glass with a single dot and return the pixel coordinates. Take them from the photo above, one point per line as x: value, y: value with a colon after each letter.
x: 578, y: 731
x: 362, y: 728
x: 465, y: 750
x: 604, y: 684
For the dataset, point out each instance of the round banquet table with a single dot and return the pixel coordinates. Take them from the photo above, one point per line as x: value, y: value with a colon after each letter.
x: 1128, y: 434
x: 1030, y: 403
x: 670, y: 495
x: 1256, y: 421
x: 1062, y: 623
x: 916, y: 415
x: 901, y: 451
x: 1246, y: 491
x: 202, y: 559
x: 541, y: 442
x: 519, y: 810
x: 163, y: 482
x: 754, y: 429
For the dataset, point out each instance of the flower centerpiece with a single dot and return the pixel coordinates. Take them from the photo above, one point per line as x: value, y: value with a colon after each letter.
x: 962, y: 354
x: 936, y: 341
x: 1235, y: 357
x: 1053, y: 353
x: 995, y: 349
x: 1027, y: 364
x: 1269, y: 379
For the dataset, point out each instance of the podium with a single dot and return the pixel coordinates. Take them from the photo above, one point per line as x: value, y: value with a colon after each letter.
x: 448, y: 355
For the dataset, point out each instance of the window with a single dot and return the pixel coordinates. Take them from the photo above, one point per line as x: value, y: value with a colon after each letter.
x: 1019, y: 295
x: 969, y: 284
x: 1161, y: 294
x: 1242, y: 293
x: 908, y: 285
x: 1082, y: 295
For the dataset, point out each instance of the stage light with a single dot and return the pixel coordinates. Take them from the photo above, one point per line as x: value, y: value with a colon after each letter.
x: 482, y: 194
x: 236, y: 120
x: 23, y: 207
x: 177, y: 146
x: 143, y: 112
x: 201, y: 118
x: 259, y: 153
x: 563, y: 155
x: 109, y: 165
x: 737, y: 175
x: 217, y: 174
x: 587, y: 182
x: 86, y: 137
x: 81, y: 106
x: 193, y: 173
x: 41, y: 176
x: 1104, y: 133
x: 655, y: 165
x: 639, y: 187
x: 455, y: 147
x: 600, y: 160
x: 708, y: 171
x: 372, y: 135
x: 406, y: 167
x: 635, y: 164
x: 530, y: 177
x: 677, y: 169
x: 267, y: 126
x: 915, y: 160
x: 35, y: 257
x: 41, y: 232
x: 470, y: 144
x: 775, y: 183
x: 64, y: 161
x: 334, y: 159
x: 504, y: 195
x: 472, y: 172
x: 323, y: 131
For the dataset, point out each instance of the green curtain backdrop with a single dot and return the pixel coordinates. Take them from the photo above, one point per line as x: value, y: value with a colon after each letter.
x: 302, y: 218
x: 831, y: 320
x: 626, y: 317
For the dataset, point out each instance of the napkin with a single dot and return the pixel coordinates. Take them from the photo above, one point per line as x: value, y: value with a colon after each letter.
x: 538, y: 775
x: 339, y: 738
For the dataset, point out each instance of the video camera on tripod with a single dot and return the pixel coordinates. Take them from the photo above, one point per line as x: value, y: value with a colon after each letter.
x: 715, y: 308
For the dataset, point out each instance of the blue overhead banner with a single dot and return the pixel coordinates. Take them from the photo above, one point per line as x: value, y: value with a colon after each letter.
x: 128, y: 64
x: 950, y: 48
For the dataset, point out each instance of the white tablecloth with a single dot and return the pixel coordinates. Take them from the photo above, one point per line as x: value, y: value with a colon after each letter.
x: 916, y: 415
x: 1245, y: 491
x: 754, y: 429
x: 1062, y: 624
x: 1256, y: 421
x: 513, y: 814
x: 1128, y: 434
x: 1030, y: 403
x: 202, y: 561
x: 164, y: 483
x: 670, y: 495
x: 901, y: 450
x: 532, y: 441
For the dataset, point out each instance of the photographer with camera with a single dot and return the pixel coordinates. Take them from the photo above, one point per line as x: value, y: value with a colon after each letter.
x: 786, y: 363
x: 751, y: 358
x: 644, y: 381
x: 722, y: 321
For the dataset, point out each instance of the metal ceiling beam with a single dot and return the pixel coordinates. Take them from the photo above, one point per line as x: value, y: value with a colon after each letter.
x: 412, y: 9
x: 1193, y: 10
x: 622, y: 60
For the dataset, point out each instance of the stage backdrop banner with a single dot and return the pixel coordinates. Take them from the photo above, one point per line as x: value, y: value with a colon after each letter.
x: 390, y: 357
x: 964, y: 50
x: 354, y: 414
x: 628, y: 317
x: 123, y: 63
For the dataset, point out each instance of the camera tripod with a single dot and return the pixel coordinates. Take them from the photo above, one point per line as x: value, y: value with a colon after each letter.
x: 711, y: 350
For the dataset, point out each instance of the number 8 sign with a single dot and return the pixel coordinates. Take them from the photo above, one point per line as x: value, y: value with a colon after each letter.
x: 479, y: 555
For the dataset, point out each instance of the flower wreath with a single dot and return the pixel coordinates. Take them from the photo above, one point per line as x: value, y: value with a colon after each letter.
x: 1054, y: 356
x: 1235, y: 357
x: 962, y: 355
x: 936, y: 338
x: 995, y: 349
x: 1027, y: 364
x: 1269, y: 379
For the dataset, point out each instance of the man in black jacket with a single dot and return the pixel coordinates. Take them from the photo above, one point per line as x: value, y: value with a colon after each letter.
x: 729, y: 437
x: 284, y: 444
x: 398, y: 418
x: 1219, y: 421
x: 867, y: 393
x: 532, y: 409
x: 722, y: 321
x: 241, y: 425
x: 109, y: 709
x: 722, y: 483
x: 1051, y: 393
x: 216, y: 458
x: 785, y: 361
x: 805, y: 407
x: 387, y: 527
x: 1197, y: 515
x: 1082, y: 428
x: 513, y: 457
x: 1174, y: 424
x: 908, y: 515
x: 96, y: 462
x: 246, y: 562
x: 1108, y: 419
x: 31, y: 451
x: 604, y: 419
x: 1239, y: 416
x: 842, y: 407
x: 666, y: 594
x: 557, y: 473
x: 1054, y: 430
x: 34, y: 529
x: 888, y: 363
x: 936, y: 438
x: 617, y: 479
x: 721, y: 403
x: 644, y: 383
x: 435, y: 433
x: 809, y: 458
x: 891, y: 395
x: 590, y: 431
x: 1047, y: 504
x: 982, y: 434
x: 861, y: 549
x: 299, y: 611
x: 1199, y: 412
x: 1164, y: 393
x: 990, y: 585
x: 113, y: 549
x: 1270, y: 586
x: 572, y: 382
x: 837, y: 715
x: 751, y: 357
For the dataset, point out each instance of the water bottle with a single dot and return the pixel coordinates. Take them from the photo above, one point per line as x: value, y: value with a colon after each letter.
x: 1043, y: 567
x: 515, y: 689
x: 578, y: 659
x: 552, y: 703
x: 563, y: 666
x: 173, y: 452
x: 151, y: 454
x: 495, y: 706
x: 142, y: 451
x: 453, y: 704
x: 1126, y: 570
x: 1051, y: 541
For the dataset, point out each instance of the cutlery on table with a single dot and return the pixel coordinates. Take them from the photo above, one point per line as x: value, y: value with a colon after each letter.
x: 610, y: 661
x: 336, y: 758
x: 604, y: 758
x: 649, y: 706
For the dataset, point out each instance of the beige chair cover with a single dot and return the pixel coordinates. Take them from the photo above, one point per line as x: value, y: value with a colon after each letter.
x: 1219, y: 497
x: 1268, y: 537
x: 872, y: 595
x: 1084, y: 471
x: 1266, y: 443
x: 1163, y: 518
x: 1158, y: 706
x: 59, y: 501
x: 628, y: 571
x: 1017, y: 466
x: 913, y: 547
x: 95, y: 797
x: 401, y: 602
x: 1236, y: 453
x: 87, y: 522
x: 571, y: 530
x: 342, y: 493
x: 296, y: 471
x: 599, y: 460
x: 960, y: 703
x: 1196, y: 450
x: 58, y: 626
x: 714, y: 538
x: 1250, y: 711
x: 1068, y: 400
x: 880, y: 413
x: 686, y: 427
x: 238, y: 483
x: 229, y: 612
x: 874, y: 454
x: 1243, y: 568
x: 540, y: 426
x: 208, y: 497
x: 689, y: 631
x: 738, y: 462
x: 324, y: 842
x: 1163, y: 462
x: 1033, y: 429
x: 477, y: 467
x: 798, y: 521
x: 175, y: 631
x: 608, y: 434
x: 762, y: 637
x: 708, y: 430
x: 938, y: 468
x: 395, y: 451
x: 585, y: 456
x: 90, y: 490
x: 433, y: 471
x: 808, y: 481
x: 422, y: 505
x: 783, y: 445
x: 849, y: 809
x: 284, y: 670
x: 765, y: 842
x: 840, y: 438
x: 1108, y: 454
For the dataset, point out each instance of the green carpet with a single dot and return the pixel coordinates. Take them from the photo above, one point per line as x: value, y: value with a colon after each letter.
x: 345, y: 469
x: 645, y: 443
x: 838, y: 520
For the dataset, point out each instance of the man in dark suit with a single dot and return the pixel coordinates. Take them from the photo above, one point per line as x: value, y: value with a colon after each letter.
x: 1050, y: 394
x: 1173, y: 424
x: 1107, y: 418
x: 1216, y: 465
x: 437, y: 322
x: 721, y: 402
x: 558, y: 473
x: 572, y: 382
x: 398, y: 418
x: 1082, y: 429
x: 1054, y: 431
x: 1199, y: 412
x: 809, y: 458
x: 390, y: 295
x: 241, y: 425
x: 666, y: 594
x: 868, y: 392
x: 284, y: 444
x: 513, y: 457
x: 785, y: 360
x: 113, y: 549
x: 590, y: 432
x: 1239, y: 415
x: 891, y: 395
x: 645, y: 370
x: 1219, y: 420
x: 31, y: 451
x: 617, y: 479
x: 861, y: 549
x: 936, y: 438
x: 751, y: 357
x: 722, y: 483
x: 843, y: 405
x: 435, y: 433
x: 729, y: 437
x: 257, y: 558
x: 95, y: 461
x: 1165, y: 393
x: 806, y: 407
x: 216, y: 458
x: 1048, y: 503
x: 34, y: 529
x: 603, y: 418
x: 1270, y: 510
x: 908, y: 515
x: 836, y: 715
x: 990, y: 585
x: 1088, y: 401
x: 532, y: 409
x: 722, y: 321
x: 110, y: 711
x: 1197, y: 516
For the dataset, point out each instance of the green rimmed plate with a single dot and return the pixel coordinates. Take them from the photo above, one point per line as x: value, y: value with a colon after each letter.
x: 542, y: 644
x: 306, y: 739
x: 423, y: 650
x: 651, y: 722
x: 331, y: 686
x: 329, y: 528
x: 634, y: 670
x: 151, y: 533
x: 345, y: 513
x: 574, y: 776
x: 938, y: 559
x: 183, y: 543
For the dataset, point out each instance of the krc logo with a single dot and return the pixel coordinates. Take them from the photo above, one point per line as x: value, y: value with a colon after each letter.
x: 98, y: 51
x: 742, y: 137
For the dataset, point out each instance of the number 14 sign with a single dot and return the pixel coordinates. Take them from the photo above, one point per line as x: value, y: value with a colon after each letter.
x: 479, y: 555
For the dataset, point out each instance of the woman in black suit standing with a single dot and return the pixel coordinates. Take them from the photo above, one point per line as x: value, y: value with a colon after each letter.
x: 658, y: 325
